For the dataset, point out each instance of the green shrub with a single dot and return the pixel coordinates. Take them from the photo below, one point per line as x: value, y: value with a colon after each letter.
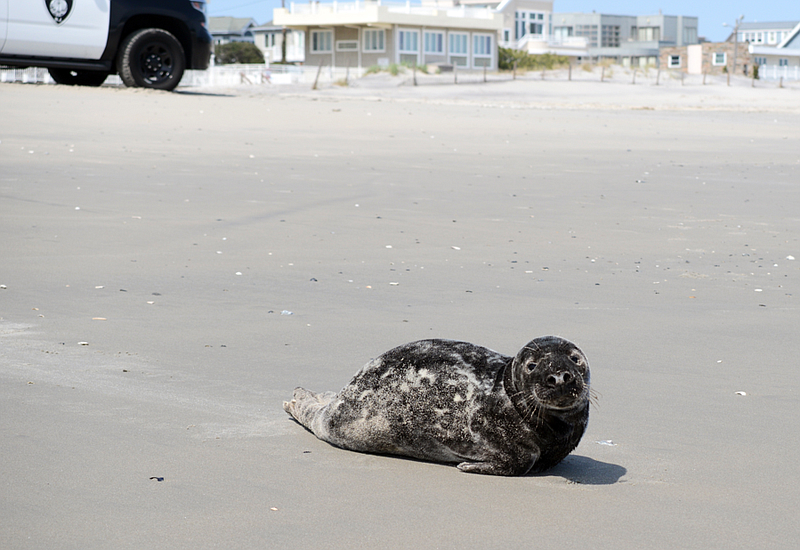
x: 526, y: 61
x: 237, y: 52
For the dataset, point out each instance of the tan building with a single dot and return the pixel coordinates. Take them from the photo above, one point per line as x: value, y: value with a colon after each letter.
x: 362, y: 33
x: 708, y: 58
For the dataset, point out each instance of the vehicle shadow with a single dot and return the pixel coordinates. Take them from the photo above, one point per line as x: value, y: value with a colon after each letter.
x: 202, y: 94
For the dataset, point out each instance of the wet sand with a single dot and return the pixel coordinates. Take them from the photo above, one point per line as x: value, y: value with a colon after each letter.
x: 173, y: 265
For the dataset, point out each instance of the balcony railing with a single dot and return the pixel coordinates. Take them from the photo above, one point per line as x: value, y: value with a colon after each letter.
x: 394, y: 7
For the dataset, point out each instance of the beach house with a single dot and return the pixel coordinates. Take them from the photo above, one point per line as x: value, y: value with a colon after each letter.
x: 363, y: 33
x: 774, y: 47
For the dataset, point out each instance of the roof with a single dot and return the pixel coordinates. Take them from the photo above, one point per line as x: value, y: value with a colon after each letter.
x: 791, y: 42
x: 229, y: 25
x: 767, y: 25
x: 267, y: 27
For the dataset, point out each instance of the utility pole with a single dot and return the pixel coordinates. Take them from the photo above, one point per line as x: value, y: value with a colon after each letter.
x: 735, y: 39
x: 283, y: 38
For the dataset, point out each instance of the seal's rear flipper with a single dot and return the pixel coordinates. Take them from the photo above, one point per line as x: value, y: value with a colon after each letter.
x: 306, y: 407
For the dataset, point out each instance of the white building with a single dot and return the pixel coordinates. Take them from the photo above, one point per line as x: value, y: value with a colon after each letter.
x: 770, y: 33
x: 775, y: 60
x: 269, y: 39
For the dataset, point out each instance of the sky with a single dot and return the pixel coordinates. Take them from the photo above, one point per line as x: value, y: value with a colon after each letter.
x: 712, y: 14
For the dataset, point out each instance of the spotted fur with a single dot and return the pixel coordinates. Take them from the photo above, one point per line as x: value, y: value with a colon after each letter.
x: 455, y: 402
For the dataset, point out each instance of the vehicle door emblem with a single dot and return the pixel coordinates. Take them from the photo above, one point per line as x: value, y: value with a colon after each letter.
x: 59, y: 10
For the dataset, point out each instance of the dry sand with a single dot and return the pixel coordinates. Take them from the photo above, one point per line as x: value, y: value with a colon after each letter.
x: 152, y: 241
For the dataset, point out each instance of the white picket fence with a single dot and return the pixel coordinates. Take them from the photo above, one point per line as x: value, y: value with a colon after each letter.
x: 219, y: 75
x: 774, y: 72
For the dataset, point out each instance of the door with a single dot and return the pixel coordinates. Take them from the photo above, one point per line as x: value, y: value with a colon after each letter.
x: 694, y: 61
x: 57, y: 28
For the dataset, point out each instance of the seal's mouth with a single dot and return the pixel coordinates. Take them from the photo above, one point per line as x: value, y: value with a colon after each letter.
x: 561, y: 397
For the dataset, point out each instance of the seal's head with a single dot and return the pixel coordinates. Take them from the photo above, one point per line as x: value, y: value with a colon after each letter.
x: 549, y: 373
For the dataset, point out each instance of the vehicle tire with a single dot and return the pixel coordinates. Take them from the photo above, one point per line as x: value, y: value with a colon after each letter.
x: 78, y: 78
x: 151, y: 58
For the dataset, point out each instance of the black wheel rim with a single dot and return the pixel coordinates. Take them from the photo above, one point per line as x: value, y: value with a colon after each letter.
x: 156, y: 62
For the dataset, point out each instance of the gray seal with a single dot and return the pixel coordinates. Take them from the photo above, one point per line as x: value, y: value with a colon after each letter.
x: 455, y: 402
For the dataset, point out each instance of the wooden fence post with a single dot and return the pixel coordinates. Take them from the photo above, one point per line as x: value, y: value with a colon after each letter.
x: 319, y: 70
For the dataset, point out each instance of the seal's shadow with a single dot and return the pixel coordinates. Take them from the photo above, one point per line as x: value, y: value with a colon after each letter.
x: 586, y: 471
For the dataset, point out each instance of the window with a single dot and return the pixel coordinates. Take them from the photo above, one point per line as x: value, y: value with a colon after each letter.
x: 589, y: 32
x: 690, y: 35
x: 434, y: 42
x: 346, y: 45
x: 528, y: 22
x: 374, y: 40
x: 321, y: 41
x: 458, y: 43
x: 560, y: 34
x: 649, y: 34
x: 719, y: 58
x: 610, y: 36
x: 506, y: 35
x: 674, y: 62
x: 783, y: 62
x: 482, y: 45
x: 772, y: 37
x: 408, y: 41
x: 760, y: 60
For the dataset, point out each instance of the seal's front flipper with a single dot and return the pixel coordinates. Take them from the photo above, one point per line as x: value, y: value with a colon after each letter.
x: 488, y: 468
x: 497, y: 468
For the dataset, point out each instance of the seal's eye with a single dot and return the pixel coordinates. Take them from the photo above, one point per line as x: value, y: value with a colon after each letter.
x: 575, y: 359
x: 531, y: 366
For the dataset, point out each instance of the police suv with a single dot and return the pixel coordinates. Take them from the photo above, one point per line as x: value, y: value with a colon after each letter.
x: 148, y: 42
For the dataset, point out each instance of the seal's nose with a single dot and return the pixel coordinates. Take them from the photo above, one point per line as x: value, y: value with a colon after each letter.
x: 559, y: 379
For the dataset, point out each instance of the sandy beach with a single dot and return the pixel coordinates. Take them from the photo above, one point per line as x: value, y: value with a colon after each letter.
x: 174, y: 264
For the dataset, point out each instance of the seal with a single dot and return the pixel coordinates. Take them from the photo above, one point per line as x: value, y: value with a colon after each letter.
x: 455, y: 402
